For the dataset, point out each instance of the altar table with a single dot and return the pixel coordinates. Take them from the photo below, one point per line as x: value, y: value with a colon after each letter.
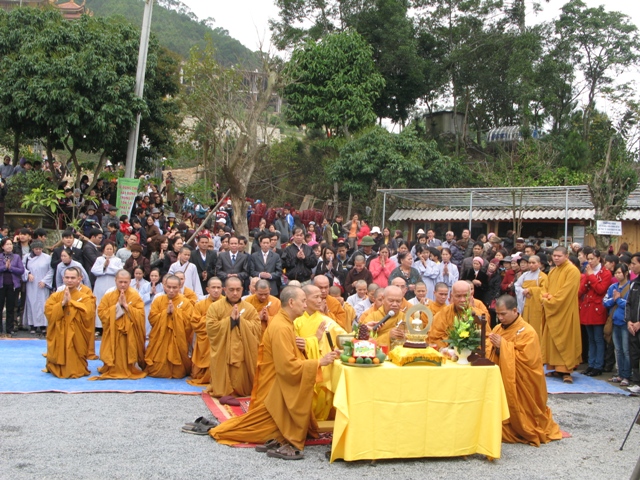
x: 417, y: 411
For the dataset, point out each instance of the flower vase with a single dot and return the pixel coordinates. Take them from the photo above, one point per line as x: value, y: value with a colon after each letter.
x: 463, y: 356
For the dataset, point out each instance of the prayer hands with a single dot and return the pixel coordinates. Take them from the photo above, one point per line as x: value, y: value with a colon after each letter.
x: 123, y: 301
x: 204, y: 275
x: 264, y: 315
x: 300, y: 254
x: 329, y: 358
x: 323, y: 307
x: 234, y: 313
x: 495, y: 339
x: 300, y: 344
x: 66, y: 298
x: 588, y: 270
x: 320, y: 330
x: 7, y: 263
x: 616, y: 295
x: 170, y: 308
x: 31, y: 277
x: 106, y: 263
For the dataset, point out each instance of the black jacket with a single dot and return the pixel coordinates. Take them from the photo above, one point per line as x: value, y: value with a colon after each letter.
x: 298, y: 269
x: 632, y: 310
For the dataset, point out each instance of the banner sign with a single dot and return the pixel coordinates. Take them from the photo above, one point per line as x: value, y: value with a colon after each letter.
x: 609, y: 228
x: 127, y: 191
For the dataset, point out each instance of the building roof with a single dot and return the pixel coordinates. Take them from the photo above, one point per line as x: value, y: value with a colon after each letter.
x: 503, y: 197
x: 497, y: 204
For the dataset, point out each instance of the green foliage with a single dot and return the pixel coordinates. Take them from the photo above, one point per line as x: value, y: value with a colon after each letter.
x: 379, y: 159
x: 391, y: 33
x: 601, y: 44
x: 464, y: 334
x: 178, y: 30
x: 19, y: 186
x: 44, y: 200
x: 72, y: 84
x: 334, y: 84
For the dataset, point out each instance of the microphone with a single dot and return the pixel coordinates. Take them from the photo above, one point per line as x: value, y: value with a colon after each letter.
x: 384, y: 319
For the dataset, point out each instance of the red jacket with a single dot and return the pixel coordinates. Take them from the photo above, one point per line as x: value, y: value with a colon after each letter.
x: 593, y: 288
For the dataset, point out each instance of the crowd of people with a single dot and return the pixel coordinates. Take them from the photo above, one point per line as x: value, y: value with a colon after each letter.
x: 225, y: 310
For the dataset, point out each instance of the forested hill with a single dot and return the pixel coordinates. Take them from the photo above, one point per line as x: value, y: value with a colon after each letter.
x: 176, y: 30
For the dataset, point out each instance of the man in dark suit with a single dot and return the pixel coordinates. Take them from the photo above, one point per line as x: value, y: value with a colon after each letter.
x: 233, y: 263
x: 205, y: 261
x: 91, y: 251
x: 298, y: 258
x: 267, y: 265
x: 67, y: 244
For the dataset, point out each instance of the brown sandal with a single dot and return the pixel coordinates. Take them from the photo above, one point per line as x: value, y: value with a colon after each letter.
x: 286, y: 452
x: 567, y: 378
x: 272, y: 444
x: 553, y: 374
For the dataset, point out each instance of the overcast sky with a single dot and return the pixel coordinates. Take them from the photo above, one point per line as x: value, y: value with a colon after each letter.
x: 247, y: 20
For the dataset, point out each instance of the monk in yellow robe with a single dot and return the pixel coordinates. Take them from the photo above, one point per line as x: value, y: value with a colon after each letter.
x: 201, y: 355
x: 443, y: 321
x: 71, y: 313
x: 514, y: 346
x: 529, y: 289
x: 561, y: 339
x: 390, y: 331
x: 167, y: 353
x: 185, y: 291
x: 312, y: 328
x: 280, y: 408
x: 265, y: 304
x: 234, y: 331
x: 378, y: 297
x: 332, y: 307
x: 121, y: 312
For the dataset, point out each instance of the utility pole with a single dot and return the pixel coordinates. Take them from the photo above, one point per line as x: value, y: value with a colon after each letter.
x: 132, y: 148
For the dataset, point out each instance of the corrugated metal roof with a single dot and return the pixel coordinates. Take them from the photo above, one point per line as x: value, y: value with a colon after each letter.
x: 483, y: 215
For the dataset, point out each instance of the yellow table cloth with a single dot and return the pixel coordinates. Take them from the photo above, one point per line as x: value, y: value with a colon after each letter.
x: 417, y: 411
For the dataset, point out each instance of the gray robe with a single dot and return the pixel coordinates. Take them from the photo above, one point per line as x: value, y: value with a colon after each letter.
x: 40, y: 268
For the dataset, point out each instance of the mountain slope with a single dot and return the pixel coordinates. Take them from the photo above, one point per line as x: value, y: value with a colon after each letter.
x: 176, y: 31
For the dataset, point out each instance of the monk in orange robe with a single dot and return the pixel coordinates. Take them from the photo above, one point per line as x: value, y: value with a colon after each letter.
x: 280, y: 408
x: 234, y: 331
x: 514, y: 346
x: 265, y: 304
x: 121, y: 312
x: 185, y: 291
x: 378, y: 297
x: 71, y: 313
x: 201, y: 355
x: 561, y: 339
x: 440, y: 298
x: 167, y: 353
x: 389, y: 332
x: 443, y: 321
x: 331, y: 307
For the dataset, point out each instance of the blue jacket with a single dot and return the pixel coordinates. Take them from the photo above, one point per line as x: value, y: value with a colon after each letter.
x: 609, y: 302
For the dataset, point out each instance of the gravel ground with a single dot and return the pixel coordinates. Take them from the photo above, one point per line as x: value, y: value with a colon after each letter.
x: 108, y: 435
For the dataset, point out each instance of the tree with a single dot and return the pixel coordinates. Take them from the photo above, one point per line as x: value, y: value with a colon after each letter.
x: 333, y: 84
x: 602, y: 44
x: 231, y: 106
x: 72, y: 84
x: 377, y: 158
x: 392, y: 35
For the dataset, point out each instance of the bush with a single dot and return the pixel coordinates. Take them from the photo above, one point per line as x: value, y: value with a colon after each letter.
x: 18, y: 186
